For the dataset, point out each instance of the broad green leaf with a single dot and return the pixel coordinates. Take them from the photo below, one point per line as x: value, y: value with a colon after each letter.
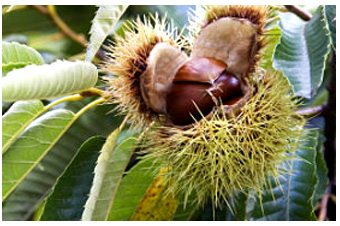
x: 132, y: 189
x: 17, y: 118
x: 47, y: 81
x: 15, y: 55
x: 103, y: 23
x: 330, y: 12
x: 155, y: 205
x: 67, y: 200
x: 111, y: 164
x: 293, y: 199
x: 321, y: 172
x: 25, y: 199
x: 31, y: 146
x: 302, y: 52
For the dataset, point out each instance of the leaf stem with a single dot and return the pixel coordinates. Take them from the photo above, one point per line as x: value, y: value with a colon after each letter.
x: 299, y: 12
x: 87, y: 107
x: 93, y: 92
x: 75, y: 97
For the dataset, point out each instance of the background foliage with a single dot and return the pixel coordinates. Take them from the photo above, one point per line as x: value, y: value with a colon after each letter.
x: 71, y: 158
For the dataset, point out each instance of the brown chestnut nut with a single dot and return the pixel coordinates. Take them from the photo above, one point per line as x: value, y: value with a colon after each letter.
x: 193, y: 84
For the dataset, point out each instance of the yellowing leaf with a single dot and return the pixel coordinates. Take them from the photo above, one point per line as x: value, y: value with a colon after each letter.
x: 156, y: 206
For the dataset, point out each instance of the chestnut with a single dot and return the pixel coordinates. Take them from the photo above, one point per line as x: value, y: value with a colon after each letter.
x: 200, y: 83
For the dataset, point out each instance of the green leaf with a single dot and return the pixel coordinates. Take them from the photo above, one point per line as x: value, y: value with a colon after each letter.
x: 330, y: 12
x: 31, y: 146
x: 268, y: 52
x: 109, y: 171
x: 132, y: 189
x: 67, y: 200
x: 293, y: 199
x: 103, y: 23
x: 17, y: 118
x: 25, y: 199
x: 47, y: 81
x: 321, y: 172
x: 15, y: 55
x: 302, y: 52
x: 156, y: 205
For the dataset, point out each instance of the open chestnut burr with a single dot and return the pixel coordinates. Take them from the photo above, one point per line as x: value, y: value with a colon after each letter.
x: 185, y: 89
x: 222, y: 123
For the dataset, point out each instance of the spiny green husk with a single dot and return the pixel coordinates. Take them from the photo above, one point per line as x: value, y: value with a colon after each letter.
x: 219, y: 156
x: 128, y: 60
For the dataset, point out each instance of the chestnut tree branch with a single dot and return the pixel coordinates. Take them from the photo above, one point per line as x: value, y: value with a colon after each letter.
x: 323, y: 204
x: 299, y: 12
x: 51, y: 12
x: 312, y: 111
x: 41, y: 9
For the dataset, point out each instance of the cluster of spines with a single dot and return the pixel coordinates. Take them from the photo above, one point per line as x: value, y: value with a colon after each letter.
x: 222, y: 155
x: 128, y: 60
x: 256, y: 14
